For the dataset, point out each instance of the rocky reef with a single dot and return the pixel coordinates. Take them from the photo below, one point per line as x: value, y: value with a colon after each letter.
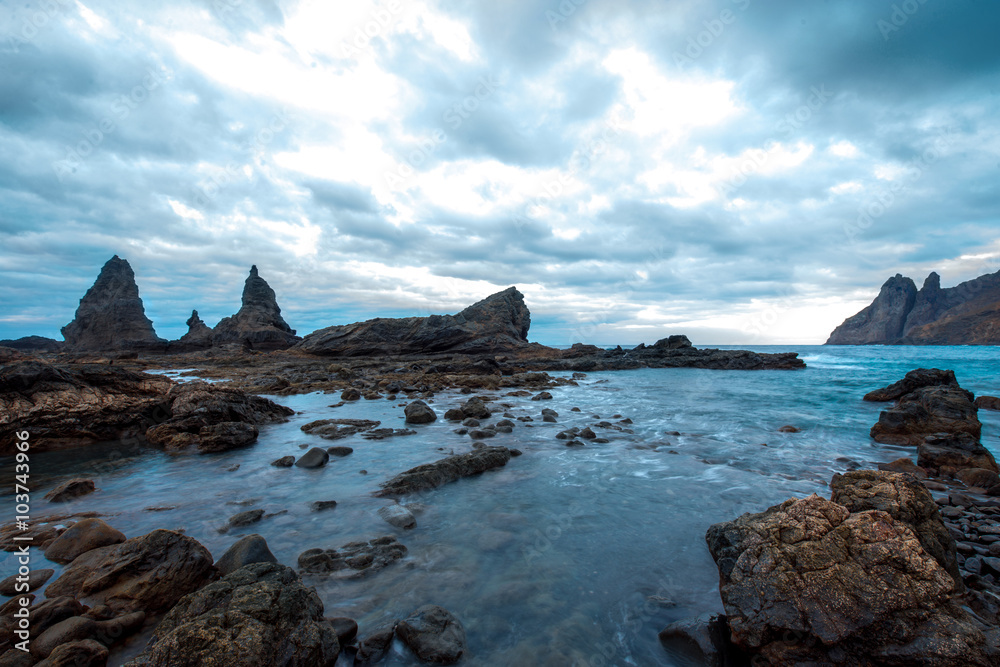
x: 498, y: 323
x: 967, y: 314
x: 111, y: 316
x: 258, y: 323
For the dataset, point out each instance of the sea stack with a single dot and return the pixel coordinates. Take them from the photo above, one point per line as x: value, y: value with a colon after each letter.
x: 111, y: 316
x: 498, y: 323
x: 258, y: 324
x: 198, y: 336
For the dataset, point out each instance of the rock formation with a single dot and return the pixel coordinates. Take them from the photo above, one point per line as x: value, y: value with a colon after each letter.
x: 111, y: 316
x: 198, y: 337
x: 33, y: 344
x: 258, y: 323
x: 814, y: 582
x: 497, y: 323
x: 79, y: 404
x: 968, y: 314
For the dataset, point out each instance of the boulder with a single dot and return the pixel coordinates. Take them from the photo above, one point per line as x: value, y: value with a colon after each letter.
x: 908, y: 502
x: 224, y: 436
x: 904, y: 465
x: 475, y: 408
x: 433, y: 475
x: 284, y: 462
x: 496, y: 324
x: 356, y: 559
x: 434, y: 634
x: 317, y: 457
x: 978, y: 477
x: 346, y: 629
x: 398, y: 516
x: 258, y: 323
x: 70, y: 489
x: 246, y: 551
x: 111, y: 316
x: 80, y: 538
x: 350, y: 394
x: 703, y: 640
x: 542, y: 396
x: 808, y: 582
x: 260, y: 614
x: 246, y: 518
x: 454, y: 414
x: 339, y: 451
x: 944, y: 450
x: 85, y: 653
x: 148, y: 573
x: 988, y: 403
x: 81, y: 628
x: 374, y: 646
x: 419, y: 412
x: 927, y: 410
x: 916, y: 379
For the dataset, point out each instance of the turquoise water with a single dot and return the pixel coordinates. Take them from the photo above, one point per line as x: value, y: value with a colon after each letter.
x: 566, y: 556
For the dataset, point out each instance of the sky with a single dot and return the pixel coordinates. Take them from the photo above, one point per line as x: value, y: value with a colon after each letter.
x: 740, y: 171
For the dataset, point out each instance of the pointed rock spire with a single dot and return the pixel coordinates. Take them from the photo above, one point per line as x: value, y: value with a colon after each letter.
x: 111, y: 315
x: 258, y: 324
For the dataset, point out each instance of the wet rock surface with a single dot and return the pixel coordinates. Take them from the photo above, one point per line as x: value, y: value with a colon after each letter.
x: 434, y: 634
x: 356, y: 559
x: 433, y: 475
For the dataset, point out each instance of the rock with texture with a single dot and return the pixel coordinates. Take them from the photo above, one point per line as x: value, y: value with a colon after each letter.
x: 808, y: 582
x: 433, y: 475
x: 246, y: 551
x: 198, y: 337
x: 258, y: 323
x: 80, y: 538
x: 70, y: 489
x: 353, y: 560
x: 111, y: 316
x: 434, y: 635
x: 261, y: 614
x: 916, y: 379
x: 317, y: 457
x: 881, y: 322
x: 398, y: 516
x: 498, y: 323
x: 419, y: 412
x: 148, y: 573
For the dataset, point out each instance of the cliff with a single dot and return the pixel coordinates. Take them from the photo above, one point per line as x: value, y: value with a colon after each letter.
x: 967, y: 314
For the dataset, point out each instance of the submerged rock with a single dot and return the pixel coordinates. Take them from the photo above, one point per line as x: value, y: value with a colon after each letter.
x: 434, y: 634
x: 71, y: 489
x: 915, y: 379
x: 356, y: 559
x: 398, y: 516
x: 433, y: 475
x: 260, y: 614
x: 335, y: 429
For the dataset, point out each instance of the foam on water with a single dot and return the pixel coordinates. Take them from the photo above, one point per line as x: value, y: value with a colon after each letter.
x: 568, y: 555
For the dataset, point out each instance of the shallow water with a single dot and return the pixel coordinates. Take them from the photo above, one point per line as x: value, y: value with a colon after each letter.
x: 565, y: 556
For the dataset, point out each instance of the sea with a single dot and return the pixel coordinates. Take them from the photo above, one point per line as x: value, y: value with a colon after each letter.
x: 566, y: 556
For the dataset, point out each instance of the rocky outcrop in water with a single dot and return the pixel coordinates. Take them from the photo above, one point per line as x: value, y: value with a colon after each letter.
x: 967, y: 314
x: 79, y: 404
x: 111, y: 315
x: 933, y: 413
x: 497, y: 323
x: 260, y: 614
x: 811, y: 582
x: 433, y: 475
x: 258, y: 323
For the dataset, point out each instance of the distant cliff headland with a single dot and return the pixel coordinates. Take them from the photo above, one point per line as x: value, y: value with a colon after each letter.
x: 967, y: 314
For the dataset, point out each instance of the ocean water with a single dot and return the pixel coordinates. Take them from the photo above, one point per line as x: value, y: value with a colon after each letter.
x: 567, y: 556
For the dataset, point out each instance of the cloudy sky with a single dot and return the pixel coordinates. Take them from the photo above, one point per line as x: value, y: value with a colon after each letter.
x: 738, y: 170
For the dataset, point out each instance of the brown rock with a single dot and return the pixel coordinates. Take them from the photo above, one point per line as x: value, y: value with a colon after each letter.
x: 147, y: 573
x: 904, y: 465
x: 988, y: 403
x: 70, y: 489
x: 86, y: 653
x: 433, y: 475
x: 925, y: 411
x: 258, y: 324
x: 80, y: 538
x: 921, y: 377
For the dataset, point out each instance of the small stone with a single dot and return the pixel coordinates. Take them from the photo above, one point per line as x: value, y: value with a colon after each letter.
x: 71, y: 489
x: 339, y: 451
x: 284, y: 462
x: 788, y: 428
x: 542, y: 396
x: 350, y: 394
x: 398, y: 516
x: 314, y: 458
x: 320, y: 505
x: 471, y: 422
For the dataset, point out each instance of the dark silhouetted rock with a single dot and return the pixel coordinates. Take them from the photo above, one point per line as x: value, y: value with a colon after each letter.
x: 111, y: 316
x: 198, y: 337
x: 703, y: 640
x: 921, y: 377
x: 433, y: 475
x: 926, y: 411
x: 374, y: 646
x: 260, y: 614
x: 434, y: 634
x: 961, y: 450
x: 33, y: 344
x: 419, y: 412
x: 316, y: 457
x: 498, y: 323
x: 246, y: 518
x: 70, y: 489
x: 676, y: 342
x: 284, y: 462
x: 246, y: 550
x: 335, y: 429
x: 148, y: 573
x: 258, y: 323
x: 988, y: 403
x: 475, y: 408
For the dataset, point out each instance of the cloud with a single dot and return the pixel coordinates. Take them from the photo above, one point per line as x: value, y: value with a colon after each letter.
x: 742, y: 171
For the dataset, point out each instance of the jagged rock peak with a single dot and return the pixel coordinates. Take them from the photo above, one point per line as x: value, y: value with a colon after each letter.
x: 258, y: 324
x: 111, y: 315
x: 884, y: 320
